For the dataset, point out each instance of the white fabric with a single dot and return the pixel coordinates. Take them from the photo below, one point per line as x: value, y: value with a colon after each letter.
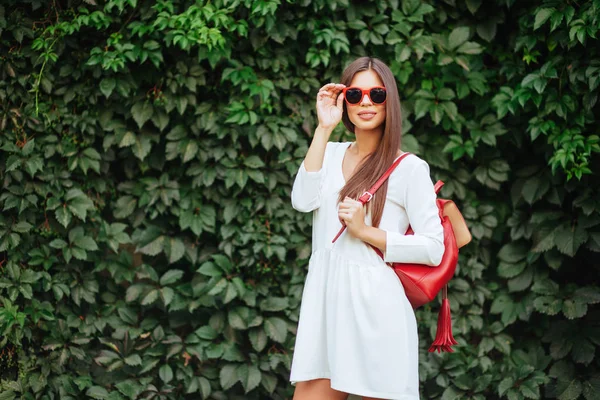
x: 356, y: 325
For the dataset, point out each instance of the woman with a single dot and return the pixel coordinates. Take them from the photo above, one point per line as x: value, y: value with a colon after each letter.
x: 357, y: 331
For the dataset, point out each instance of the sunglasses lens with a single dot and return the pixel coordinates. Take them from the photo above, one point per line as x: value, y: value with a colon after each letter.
x: 353, y: 96
x: 378, y: 95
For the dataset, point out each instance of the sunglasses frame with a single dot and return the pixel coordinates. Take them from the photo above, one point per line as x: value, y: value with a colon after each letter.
x: 364, y: 91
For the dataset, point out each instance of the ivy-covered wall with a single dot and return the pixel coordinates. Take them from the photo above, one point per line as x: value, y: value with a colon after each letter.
x: 148, y: 247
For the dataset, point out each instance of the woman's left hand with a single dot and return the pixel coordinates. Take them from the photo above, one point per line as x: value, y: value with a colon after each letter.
x: 352, y: 213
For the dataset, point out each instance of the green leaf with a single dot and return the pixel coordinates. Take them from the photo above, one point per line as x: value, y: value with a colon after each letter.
x: 205, y: 388
x: 58, y: 243
x: 133, y: 292
x: 522, y: 281
x: 129, y: 388
x: 583, y: 352
x: 63, y: 216
x: 253, y: 162
x: 236, y: 318
x: 573, y: 309
x: 142, y: 146
x: 128, y: 315
x: 142, y: 112
x: 530, y: 390
x: 504, y: 385
x: 473, y: 5
x: 542, y: 16
x: 249, y: 376
x: 86, y: 243
x: 190, y: 151
x: 206, y: 332
x: 276, y: 329
x: 587, y: 294
x: 175, y: 249
x: 210, y: 269
x: 571, y: 391
x: 568, y: 239
x: 509, y: 270
x: 97, y: 392
x: 591, y: 388
x: 458, y: 36
x: 8, y: 395
x: 545, y: 286
x: 470, y: 48
x: 128, y: 139
x: 228, y: 376
x: 269, y: 382
x: 133, y: 360
x: 165, y: 373
x: 450, y: 393
x: 273, y: 303
x: 548, y: 305
x: 258, y: 338
x: 154, y: 247
x: 171, y: 276
x: 150, y: 297
x: 167, y: 294
x: 513, y: 252
x: 107, y: 85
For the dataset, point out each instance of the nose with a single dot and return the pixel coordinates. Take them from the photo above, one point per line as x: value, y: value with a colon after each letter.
x: 366, y: 100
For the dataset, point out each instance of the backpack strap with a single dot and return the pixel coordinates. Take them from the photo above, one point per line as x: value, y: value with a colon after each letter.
x: 368, y: 195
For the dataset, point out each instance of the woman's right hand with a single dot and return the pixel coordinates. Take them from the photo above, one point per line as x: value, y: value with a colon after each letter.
x: 329, y: 105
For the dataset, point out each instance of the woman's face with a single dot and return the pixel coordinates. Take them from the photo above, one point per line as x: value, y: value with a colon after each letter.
x: 366, y: 115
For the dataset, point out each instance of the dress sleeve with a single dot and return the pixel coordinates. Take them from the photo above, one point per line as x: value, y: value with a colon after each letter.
x: 307, y: 188
x: 426, y: 246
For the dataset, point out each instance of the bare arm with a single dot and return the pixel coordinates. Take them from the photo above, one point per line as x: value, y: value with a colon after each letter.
x: 306, y: 191
x: 316, y: 152
x: 329, y: 113
x: 374, y: 236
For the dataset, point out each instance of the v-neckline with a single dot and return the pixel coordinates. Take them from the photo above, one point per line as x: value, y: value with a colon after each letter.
x: 344, y: 180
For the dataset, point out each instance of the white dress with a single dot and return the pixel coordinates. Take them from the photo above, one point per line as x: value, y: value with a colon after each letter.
x: 356, y: 325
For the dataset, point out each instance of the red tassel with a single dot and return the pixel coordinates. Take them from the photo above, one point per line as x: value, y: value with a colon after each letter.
x: 443, y: 338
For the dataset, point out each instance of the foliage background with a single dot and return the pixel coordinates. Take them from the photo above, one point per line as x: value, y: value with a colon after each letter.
x: 148, y: 245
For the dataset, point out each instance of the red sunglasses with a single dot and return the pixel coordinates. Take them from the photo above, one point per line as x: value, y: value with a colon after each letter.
x: 354, y: 95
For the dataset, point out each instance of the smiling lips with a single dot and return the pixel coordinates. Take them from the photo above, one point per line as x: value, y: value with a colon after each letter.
x: 366, y: 114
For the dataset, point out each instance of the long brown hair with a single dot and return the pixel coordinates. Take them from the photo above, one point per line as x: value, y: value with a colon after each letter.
x: 376, y: 163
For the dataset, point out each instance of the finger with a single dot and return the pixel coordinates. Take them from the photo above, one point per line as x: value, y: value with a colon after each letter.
x: 334, y: 92
x: 345, y: 206
x: 329, y: 85
x: 340, y: 100
x: 345, y: 215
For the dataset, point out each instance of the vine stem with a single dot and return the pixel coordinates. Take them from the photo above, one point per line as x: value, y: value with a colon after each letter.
x: 39, y: 79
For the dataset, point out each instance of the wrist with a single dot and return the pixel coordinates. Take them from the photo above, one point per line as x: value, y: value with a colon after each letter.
x: 324, y: 130
x: 366, y: 234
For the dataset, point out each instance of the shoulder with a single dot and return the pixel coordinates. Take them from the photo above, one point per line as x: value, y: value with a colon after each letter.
x: 408, y: 166
x: 412, y: 168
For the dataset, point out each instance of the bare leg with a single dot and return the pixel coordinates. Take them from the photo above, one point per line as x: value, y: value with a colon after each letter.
x: 317, y: 389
